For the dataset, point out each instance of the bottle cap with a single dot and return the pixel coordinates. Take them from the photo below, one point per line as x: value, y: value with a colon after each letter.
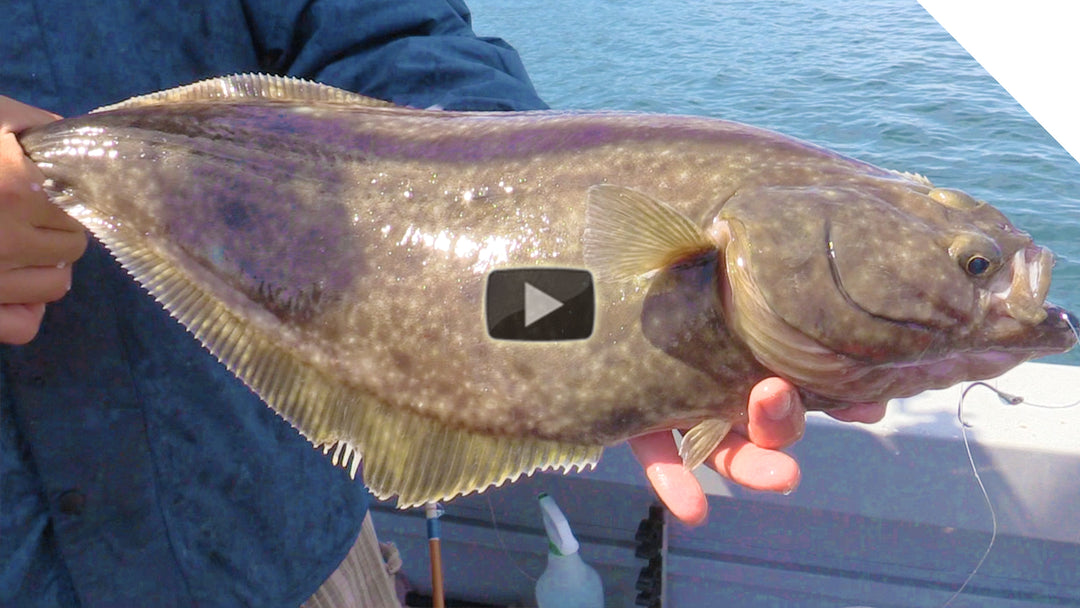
x: 560, y: 537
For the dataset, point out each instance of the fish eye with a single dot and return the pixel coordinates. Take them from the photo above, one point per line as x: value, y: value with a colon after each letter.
x: 976, y: 265
x: 976, y: 254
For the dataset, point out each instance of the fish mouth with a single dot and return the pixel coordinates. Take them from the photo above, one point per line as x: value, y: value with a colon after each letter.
x: 1023, y: 295
x: 1018, y: 302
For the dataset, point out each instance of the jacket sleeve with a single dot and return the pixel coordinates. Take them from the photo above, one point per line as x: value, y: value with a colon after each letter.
x: 420, y: 53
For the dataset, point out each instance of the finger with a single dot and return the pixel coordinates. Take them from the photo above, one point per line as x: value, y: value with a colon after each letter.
x: 21, y: 179
x: 48, y: 216
x: 15, y: 116
x: 776, y: 415
x: 25, y: 247
x: 19, y: 323
x: 42, y: 213
x: 755, y: 467
x: 677, y: 488
x: 34, y: 285
x: 860, y: 412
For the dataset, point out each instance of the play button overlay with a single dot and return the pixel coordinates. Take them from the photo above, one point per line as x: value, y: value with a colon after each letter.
x: 539, y: 304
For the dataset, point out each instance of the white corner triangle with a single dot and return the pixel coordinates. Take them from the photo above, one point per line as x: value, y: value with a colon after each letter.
x: 1030, y: 48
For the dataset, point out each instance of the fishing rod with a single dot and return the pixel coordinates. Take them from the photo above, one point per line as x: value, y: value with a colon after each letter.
x: 432, y: 513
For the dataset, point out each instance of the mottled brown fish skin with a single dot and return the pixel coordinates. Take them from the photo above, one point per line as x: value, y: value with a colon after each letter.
x: 361, y: 238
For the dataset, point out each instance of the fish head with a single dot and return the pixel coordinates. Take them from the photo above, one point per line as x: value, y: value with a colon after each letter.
x: 870, y: 291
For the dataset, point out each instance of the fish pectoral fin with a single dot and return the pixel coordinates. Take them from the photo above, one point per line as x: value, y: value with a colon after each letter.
x: 419, y: 459
x: 250, y: 87
x: 628, y: 233
x: 700, y: 441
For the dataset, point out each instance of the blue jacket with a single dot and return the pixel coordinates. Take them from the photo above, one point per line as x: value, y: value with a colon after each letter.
x: 135, y: 470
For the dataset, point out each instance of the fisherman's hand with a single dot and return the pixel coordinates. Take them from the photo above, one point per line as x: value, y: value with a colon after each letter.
x: 38, y: 241
x: 749, y: 456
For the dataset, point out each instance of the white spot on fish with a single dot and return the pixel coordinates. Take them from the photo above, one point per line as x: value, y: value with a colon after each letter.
x: 442, y: 241
x: 465, y: 247
x: 90, y: 131
x: 494, y: 250
x: 485, y: 254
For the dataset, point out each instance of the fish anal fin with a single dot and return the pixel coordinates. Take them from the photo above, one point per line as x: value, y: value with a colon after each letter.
x: 238, y: 87
x: 701, y: 440
x: 628, y: 234
x: 422, y: 460
x: 416, y: 458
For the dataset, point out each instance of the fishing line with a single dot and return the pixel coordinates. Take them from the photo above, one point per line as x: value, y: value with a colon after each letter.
x: 1011, y: 400
x: 1007, y: 399
x: 1015, y: 400
x: 505, y: 549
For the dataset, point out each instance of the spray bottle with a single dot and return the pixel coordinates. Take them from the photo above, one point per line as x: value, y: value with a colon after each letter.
x: 567, y: 582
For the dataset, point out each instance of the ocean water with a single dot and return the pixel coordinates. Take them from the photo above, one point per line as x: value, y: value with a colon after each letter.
x: 878, y: 80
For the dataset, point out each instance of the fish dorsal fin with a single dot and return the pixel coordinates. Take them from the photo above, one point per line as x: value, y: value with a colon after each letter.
x: 915, y: 177
x: 700, y: 441
x: 628, y: 234
x: 250, y: 86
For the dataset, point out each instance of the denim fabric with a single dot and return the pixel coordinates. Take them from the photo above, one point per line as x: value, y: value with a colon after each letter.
x: 135, y: 470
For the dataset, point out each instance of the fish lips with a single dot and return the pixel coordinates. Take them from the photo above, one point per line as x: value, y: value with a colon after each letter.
x: 1057, y: 333
x: 1019, y: 312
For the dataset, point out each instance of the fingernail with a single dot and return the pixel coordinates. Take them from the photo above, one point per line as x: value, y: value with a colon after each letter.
x: 794, y: 486
x: 62, y: 265
x: 782, y: 408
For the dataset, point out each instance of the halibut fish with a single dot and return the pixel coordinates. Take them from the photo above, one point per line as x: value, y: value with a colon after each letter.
x: 332, y: 251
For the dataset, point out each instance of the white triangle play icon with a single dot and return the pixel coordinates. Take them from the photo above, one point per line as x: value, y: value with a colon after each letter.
x: 538, y: 305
